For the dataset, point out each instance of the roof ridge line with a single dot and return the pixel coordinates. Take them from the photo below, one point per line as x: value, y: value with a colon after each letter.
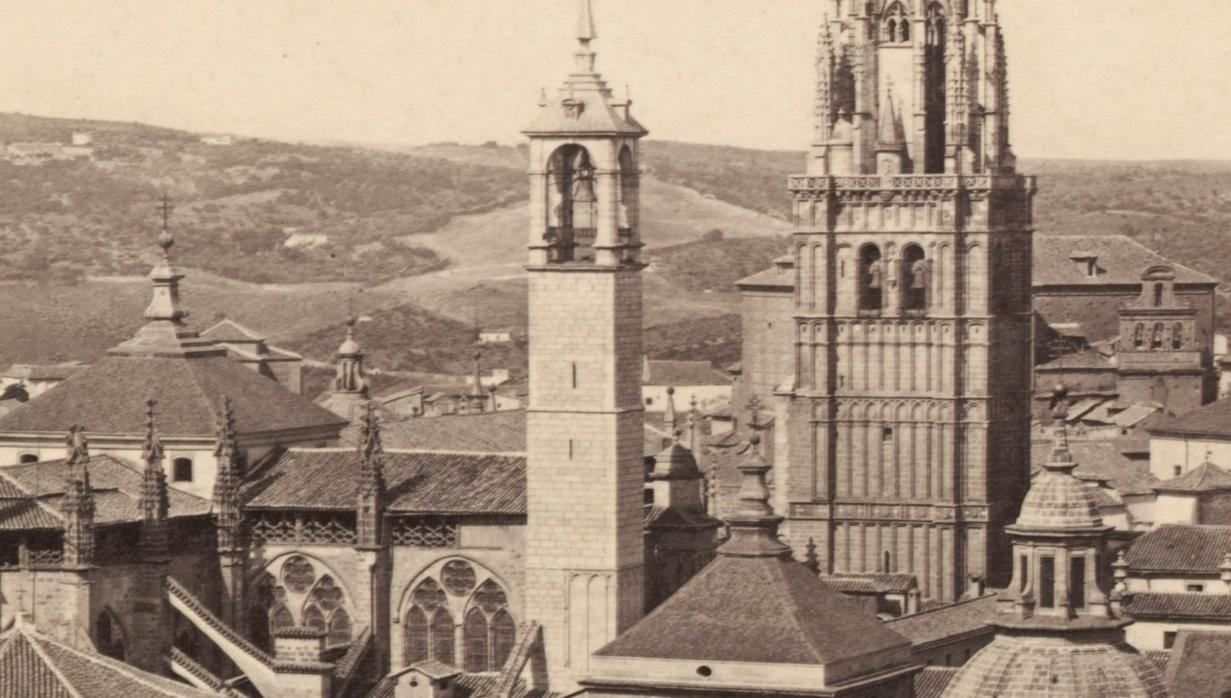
x: 946, y: 607
x: 34, y: 640
x: 778, y: 570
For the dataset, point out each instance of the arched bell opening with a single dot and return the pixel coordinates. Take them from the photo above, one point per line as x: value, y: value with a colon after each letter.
x: 871, y: 279
x: 916, y: 277
x: 572, y: 204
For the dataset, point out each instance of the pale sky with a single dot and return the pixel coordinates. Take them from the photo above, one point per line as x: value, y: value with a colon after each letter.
x: 1089, y: 78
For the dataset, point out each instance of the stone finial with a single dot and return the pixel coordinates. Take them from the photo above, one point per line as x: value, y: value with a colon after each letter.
x: 811, y: 561
x: 754, y: 526
x: 227, y: 506
x: 78, y: 503
x: 694, y: 423
x: 712, y: 490
x: 1120, y: 571
x: 585, y: 23
x: 1061, y: 459
x: 165, y: 303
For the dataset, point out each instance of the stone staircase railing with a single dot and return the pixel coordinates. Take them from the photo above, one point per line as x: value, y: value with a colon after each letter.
x: 510, y: 674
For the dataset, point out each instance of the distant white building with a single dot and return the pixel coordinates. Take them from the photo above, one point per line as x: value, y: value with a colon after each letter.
x: 495, y: 336
x: 690, y: 379
x: 218, y: 139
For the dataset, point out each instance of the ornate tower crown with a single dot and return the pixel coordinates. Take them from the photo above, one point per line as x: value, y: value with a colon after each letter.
x: 947, y: 62
x: 584, y: 171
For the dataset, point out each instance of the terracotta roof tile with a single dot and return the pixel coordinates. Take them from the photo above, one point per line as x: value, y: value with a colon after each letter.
x: 1120, y: 260
x: 1198, y: 665
x: 1213, y: 419
x: 35, y: 666
x: 972, y: 615
x: 117, y: 494
x: 682, y: 373
x: 1196, y: 606
x: 763, y: 610
x: 1206, y: 477
x: 933, y: 680
x: 418, y: 482
x: 490, y: 432
x: 871, y: 583
x: 1102, y: 461
x: 109, y: 398
x: 1180, y: 548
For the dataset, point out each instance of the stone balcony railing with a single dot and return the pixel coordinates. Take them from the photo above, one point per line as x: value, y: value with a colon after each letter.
x: 908, y: 182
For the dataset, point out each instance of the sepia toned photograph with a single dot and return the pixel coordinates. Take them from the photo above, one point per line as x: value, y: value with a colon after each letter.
x: 615, y: 349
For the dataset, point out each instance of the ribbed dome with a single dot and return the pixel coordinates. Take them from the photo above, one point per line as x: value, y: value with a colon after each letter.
x: 1059, y: 500
x: 1056, y: 667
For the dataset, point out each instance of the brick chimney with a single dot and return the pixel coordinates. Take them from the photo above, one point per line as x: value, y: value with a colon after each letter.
x: 299, y: 646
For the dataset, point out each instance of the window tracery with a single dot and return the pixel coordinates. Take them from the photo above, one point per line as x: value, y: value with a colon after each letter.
x: 454, y: 617
x: 301, y: 594
x: 895, y: 25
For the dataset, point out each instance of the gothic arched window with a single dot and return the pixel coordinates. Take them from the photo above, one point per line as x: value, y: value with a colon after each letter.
x: 915, y: 278
x: 896, y: 25
x: 300, y: 594
x: 871, y: 278
x: 464, y: 592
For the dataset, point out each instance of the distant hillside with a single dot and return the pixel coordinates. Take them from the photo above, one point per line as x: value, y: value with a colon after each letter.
x: 236, y: 205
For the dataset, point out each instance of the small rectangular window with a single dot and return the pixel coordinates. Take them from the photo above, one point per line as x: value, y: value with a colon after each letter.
x: 1169, y: 639
x: 1196, y: 588
x: 1047, y: 582
x: 1077, y: 582
x: 1179, y: 470
x: 574, y: 368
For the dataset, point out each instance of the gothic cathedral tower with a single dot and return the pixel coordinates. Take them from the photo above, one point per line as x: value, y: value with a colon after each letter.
x: 585, y: 472
x: 908, y: 425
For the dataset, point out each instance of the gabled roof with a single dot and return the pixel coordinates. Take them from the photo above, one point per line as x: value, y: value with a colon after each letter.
x: 952, y: 620
x: 1206, y: 477
x: 1191, y: 605
x: 682, y: 373
x: 33, y: 665
x: 1212, y: 420
x: 1120, y: 260
x: 109, y: 398
x: 756, y: 609
x: 1180, y: 548
x: 417, y: 482
x: 1198, y: 665
x: 30, y: 494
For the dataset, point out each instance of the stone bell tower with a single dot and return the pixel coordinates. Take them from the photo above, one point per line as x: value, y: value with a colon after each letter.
x: 585, y: 473
x: 908, y: 423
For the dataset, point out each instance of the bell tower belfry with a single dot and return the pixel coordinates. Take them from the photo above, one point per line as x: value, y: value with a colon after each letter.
x: 585, y: 468
x: 908, y: 420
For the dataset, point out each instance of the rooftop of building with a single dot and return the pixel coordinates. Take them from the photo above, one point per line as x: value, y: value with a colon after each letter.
x: 951, y: 620
x: 1206, y: 477
x: 1080, y: 360
x: 763, y: 610
x: 34, y: 665
x: 418, y: 482
x: 1032, y: 666
x: 486, y: 432
x: 932, y: 681
x: 109, y: 398
x: 228, y: 331
x: 781, y: 276
x: 682, y: 373
x: 1102, y: 462
x: 1180, y: 549
x: 1062, y: 260
x: 1198, y: 664
x: 1178, y: 605
x: 30, y: 494
x: 871, y: 583
x: 1212, y: 420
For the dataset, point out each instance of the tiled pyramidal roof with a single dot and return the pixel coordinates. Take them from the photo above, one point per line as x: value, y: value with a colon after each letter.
x: 188, y: 374
x: 33, y: 665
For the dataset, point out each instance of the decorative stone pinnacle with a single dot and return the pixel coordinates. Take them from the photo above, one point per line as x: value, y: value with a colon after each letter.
x: 225, y: 431
x: 370, y: 446
x: 151, y: 451
x: 811, y: 561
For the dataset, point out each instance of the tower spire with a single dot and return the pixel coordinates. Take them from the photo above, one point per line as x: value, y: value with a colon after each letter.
x: 669, y: 418
x: 585, y: 34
